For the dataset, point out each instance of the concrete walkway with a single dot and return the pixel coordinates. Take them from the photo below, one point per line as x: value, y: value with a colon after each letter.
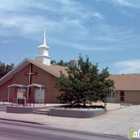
x: 116, y: 121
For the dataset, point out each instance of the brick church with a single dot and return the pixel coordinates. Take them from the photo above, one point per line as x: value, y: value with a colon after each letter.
x: 33, y: 79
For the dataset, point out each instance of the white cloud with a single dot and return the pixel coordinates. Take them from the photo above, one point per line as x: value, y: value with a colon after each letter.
x: 64, y: 18
x: 5, y: 41
x: 74, y: 24
x: 80, y: 46
x: 98, y: 15
x: 123, y: 2
x: 111, y: 33
x: 91, y: 48
x: 26, y: 25
x: 91, y: 14
x: 63, y: 14
x: 128, y: 66
x: 128, y: 3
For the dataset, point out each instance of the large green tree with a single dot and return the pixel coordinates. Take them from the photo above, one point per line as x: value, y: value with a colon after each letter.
x: 84, y: 83
x: 5, y: 68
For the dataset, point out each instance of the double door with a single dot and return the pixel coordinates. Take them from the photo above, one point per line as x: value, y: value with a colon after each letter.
x: 39, y: 95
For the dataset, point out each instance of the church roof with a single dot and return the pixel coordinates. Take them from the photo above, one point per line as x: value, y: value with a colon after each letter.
x: 126, y: 81
x: 52, y: 69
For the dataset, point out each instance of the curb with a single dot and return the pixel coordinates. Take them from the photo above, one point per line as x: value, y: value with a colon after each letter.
x: 21, y: 121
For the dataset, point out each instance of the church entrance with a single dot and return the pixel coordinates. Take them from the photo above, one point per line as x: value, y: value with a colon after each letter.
x: 39, y: 92
x: 39, y: 95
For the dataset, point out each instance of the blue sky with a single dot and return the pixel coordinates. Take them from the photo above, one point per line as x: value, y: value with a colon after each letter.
x: 108, y: 31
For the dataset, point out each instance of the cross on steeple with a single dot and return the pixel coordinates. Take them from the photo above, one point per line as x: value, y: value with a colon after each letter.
x: 30, y: 73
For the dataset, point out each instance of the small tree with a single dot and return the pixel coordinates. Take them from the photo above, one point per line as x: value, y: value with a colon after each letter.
x: 84, y: 83
x: 4, y: 69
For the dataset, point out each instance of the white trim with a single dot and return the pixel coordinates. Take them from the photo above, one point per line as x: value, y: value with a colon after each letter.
x: 9, y: 75
x: 126, y: 89
x: 44, y: 46
x: 36, y: 85
x: 39, y: 94
x: 8, y: 94
x: 43, y: 56
x: 17, y: 85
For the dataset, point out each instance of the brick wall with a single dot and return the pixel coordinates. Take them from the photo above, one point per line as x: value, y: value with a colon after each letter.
x: 42, y: 77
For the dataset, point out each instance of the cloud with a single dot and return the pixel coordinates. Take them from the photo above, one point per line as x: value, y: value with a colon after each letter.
x: 29, y: 17
x: 91, y: 48
x: 124, y: 3
x: 113, y: 34
x: 5, y: 41
x: 80, y: 46
x: 69, y: 20
x: 128, y: 66
x: 127, y: 3
x: 26, y: 25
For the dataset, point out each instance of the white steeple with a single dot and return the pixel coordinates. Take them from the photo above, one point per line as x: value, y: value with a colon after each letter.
x: 44, y: 38
x: 43, y: 52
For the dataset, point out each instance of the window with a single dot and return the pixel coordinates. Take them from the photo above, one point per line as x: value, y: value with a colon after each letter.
x: 111, y: 94
x: 121, y: 95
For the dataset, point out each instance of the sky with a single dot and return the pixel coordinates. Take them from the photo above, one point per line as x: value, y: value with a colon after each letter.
x: 108, y: 31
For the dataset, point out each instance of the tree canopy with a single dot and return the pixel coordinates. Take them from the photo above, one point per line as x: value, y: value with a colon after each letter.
x: 61, y: 63
x: 84, y: 83
x: 5, y: 68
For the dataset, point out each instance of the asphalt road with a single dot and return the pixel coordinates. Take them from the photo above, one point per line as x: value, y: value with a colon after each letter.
x: 10, y: 130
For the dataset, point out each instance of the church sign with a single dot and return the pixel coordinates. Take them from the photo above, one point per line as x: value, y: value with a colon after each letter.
x: 20, y: 94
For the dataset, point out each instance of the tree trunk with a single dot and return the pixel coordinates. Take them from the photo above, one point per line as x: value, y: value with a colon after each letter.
x: 84, y: 103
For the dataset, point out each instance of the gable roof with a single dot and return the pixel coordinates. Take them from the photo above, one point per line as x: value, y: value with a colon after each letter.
x: 52, y: 69
x: 126, y: 81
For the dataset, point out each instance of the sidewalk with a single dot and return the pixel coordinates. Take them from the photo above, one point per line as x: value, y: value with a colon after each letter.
x: 116, y: 121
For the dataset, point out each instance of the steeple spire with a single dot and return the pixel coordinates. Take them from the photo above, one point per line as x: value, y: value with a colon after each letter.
x: 43, y: 51
x: 44, y: 38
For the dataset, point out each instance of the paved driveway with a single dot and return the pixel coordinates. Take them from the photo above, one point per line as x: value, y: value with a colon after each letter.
x: 116, y: 121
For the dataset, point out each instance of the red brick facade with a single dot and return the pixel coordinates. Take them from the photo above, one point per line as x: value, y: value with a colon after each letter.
x: 42, y: 77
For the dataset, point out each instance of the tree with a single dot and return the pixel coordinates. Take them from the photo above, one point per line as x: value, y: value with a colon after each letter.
x: 4, y: 69
x: 53, y: 62
x: 61, y: 63
x: 84, y: 83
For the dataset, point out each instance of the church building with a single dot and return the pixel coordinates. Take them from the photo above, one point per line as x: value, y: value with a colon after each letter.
x: 33, y: 79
